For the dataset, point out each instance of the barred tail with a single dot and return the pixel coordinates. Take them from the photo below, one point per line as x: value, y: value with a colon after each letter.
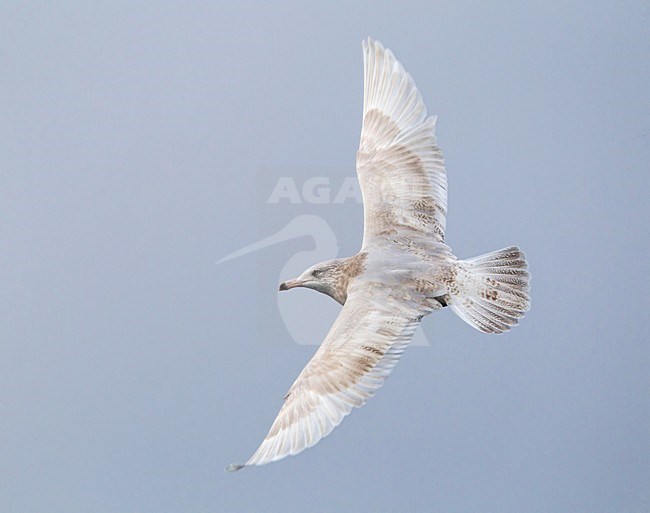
x: 491, y: 291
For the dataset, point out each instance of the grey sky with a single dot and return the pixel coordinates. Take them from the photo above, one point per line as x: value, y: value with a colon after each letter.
x: 138, y: 146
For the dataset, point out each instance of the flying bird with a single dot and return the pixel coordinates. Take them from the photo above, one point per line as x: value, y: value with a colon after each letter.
x: 403, y: 271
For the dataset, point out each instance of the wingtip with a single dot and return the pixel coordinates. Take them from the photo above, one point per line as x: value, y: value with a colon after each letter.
x: 234, y: 467
x: 371, y: 43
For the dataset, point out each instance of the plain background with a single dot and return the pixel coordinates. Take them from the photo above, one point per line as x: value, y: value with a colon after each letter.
x: 133, y: 141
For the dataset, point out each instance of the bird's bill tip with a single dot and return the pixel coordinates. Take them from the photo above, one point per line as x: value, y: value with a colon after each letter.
x: 290, y: 284
x: 234, y: 467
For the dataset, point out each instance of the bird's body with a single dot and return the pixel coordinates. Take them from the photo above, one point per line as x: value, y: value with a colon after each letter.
x: 403, y: 272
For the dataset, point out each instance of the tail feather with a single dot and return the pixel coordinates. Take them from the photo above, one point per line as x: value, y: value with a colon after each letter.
x: 491, y: 292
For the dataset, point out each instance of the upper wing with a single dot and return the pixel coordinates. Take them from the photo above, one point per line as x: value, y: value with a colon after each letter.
x: 361, y: 349
x: 400, y: 168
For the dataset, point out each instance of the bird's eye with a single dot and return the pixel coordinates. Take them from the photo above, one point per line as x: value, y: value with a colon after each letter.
x: 316, y: 273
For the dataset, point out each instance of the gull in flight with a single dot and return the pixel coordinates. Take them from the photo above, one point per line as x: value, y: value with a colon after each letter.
x: 403, y: 271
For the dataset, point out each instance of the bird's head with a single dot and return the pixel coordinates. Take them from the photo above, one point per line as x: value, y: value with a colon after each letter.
x: 326, y: 277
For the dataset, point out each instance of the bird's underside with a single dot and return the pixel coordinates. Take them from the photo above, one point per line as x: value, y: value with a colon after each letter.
x: 403, y: 272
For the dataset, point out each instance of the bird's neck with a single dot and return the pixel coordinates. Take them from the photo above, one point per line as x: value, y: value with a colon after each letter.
x: 349, y: 269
